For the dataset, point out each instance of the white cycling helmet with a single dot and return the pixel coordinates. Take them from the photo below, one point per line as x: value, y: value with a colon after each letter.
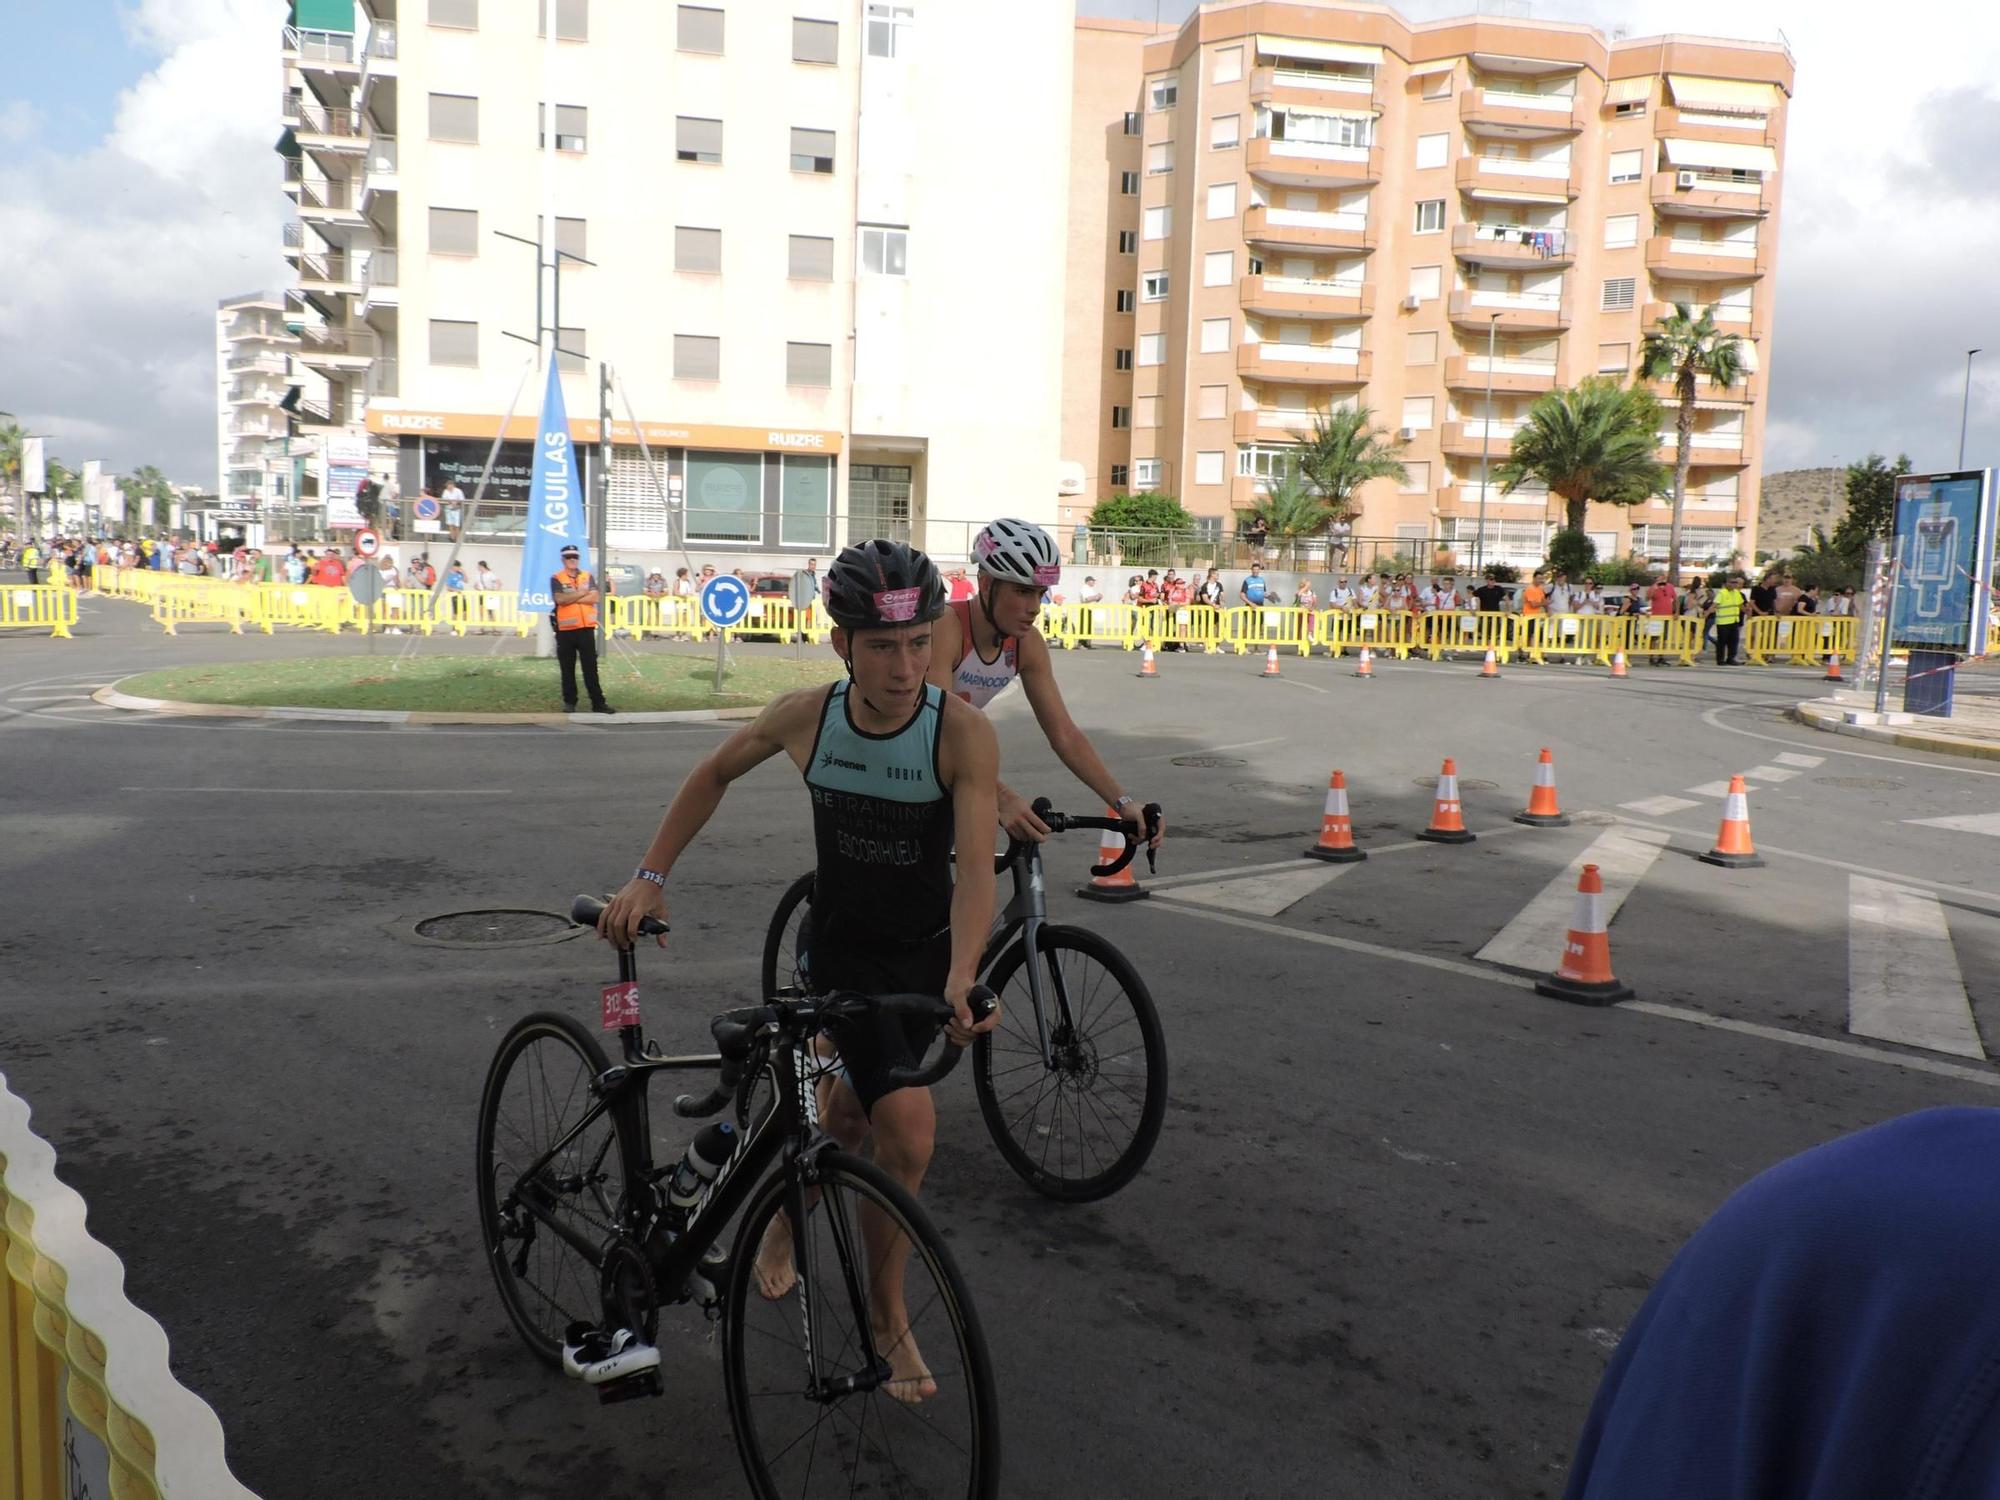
x: 1017, y: 552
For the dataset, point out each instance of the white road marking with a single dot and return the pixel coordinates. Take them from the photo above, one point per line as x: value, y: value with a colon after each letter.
x: 1709, y: 718
x: 1768, y: 773
x: 1659, y: 807
x: 47, y: 694
x: 1804, y: 762
x: 1903, y: 982
x: 1986, y: 823
x: 1534, y: 939
x: 1192, y: 877
x: 1710, y: 789
x: 338, y: 791
x: 1212, y: 749
x: 1355, y: 945
x: 1261, y: 895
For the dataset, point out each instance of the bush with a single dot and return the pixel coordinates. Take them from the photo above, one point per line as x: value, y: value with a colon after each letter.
x: 1503, y: 573
x: 1571, y: 552
x: 1625, y: 570
x: 1146, y: 511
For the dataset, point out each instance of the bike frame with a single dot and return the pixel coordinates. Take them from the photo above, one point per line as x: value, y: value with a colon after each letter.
x: 1024, y: 916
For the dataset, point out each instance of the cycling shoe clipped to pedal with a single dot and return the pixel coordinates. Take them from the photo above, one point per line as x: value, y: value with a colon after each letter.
x: 617, y: 1361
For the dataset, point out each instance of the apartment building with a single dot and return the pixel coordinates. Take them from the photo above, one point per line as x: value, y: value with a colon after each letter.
x: 253, y: 349
x: 831, y: 294
x: 1303, y: 207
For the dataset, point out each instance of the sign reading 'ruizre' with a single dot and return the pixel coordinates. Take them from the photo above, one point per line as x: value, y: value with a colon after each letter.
x: 584, y: 430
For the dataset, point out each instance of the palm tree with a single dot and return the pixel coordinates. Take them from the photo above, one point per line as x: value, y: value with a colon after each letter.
x: 13, y: 439
x: 147, y: 480
x: 1343, y: 453
x: 1682, y: 347
x: 1290, y: 507
x: 1592, y: 441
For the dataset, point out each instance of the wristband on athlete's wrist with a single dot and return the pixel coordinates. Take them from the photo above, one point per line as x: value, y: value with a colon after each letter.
x: 1123, y: 802
x: 657, y: 877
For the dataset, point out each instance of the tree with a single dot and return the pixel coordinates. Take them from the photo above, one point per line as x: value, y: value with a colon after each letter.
x: 1344, y: 452
x: 65, y: 483
x: 1593, y: 441
x: 147, y: 483
x: 1290, y: 507
x: 1822, y: 565
x: 1681, y: 348
x: 1871, y: 506
x: 13, y: 441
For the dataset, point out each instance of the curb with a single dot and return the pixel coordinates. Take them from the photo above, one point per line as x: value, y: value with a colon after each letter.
x: 1829, y: 721
x: 112, y: 698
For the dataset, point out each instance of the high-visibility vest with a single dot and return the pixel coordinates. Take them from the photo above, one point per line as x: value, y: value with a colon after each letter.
x: 1728, y: 607
x: 31, y: 557
x: 575, y: 616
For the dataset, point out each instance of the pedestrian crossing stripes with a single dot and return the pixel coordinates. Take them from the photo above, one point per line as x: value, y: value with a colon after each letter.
x: 1534, y: 939
x: 1659, y: 807
x: 1262, y: 895
x: 1903, y: 979
x: 1986, y: 823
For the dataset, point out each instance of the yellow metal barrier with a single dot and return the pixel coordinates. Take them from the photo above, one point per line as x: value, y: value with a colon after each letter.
x: 40, y: 606
x: 1665, y: 635
x: 1344, y: 630
x: 1600, y: 636
x: 1475, y: 631
x: 1123, y: 625
x: 1190, y: 626
x: 1803, y: 640
x: 1261, y: 626
x: 202, y: 602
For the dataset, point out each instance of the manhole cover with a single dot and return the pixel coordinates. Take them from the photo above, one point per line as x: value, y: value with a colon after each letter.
x: 1210, y: 762
x: 1465, y: 783
x: 1861, y: 783
x: 503, y: 927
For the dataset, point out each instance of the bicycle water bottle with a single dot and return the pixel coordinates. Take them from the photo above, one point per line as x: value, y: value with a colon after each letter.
x: 707, y: 1154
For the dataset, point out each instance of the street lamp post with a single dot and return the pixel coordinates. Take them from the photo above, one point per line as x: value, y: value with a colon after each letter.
x: 1485, y: 450
x: 1965, y: 406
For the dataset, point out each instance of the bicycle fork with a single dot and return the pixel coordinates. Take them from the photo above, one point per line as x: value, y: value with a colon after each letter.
x: 1026, y: 914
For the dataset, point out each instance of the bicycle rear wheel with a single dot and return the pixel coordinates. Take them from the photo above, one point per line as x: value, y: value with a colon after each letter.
x: 781, y: 939
x: 1083, y: 1128
x: 797, y: 1443
x: 536, y: 1090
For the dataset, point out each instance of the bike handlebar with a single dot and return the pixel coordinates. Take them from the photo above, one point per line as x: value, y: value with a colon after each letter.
x: 1064, y: 822
x: 585, y: 910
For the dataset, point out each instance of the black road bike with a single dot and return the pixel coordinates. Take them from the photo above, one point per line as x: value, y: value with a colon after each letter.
x: 1073, y: 1081
x: 587, y: 1244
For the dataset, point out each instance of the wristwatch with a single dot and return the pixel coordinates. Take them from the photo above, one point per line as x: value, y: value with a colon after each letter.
x: 642, y: 873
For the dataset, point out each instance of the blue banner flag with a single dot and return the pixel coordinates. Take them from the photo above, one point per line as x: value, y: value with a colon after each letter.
x: 555, y: 504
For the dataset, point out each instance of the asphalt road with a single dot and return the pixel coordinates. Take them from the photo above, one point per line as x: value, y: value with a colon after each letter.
x: 1402, y: 1207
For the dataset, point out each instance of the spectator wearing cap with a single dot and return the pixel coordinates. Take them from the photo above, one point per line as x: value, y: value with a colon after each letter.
x: 575, y: 619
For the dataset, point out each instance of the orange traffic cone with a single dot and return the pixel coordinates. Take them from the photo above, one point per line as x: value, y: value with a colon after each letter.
x: 1336, y: 829
x: 1270, y: 663
x: 1542, y: 810
x: 1618, y: 664
x: 1366, y: 666
x: 1584, y: 975
x: 1448, y: 817
x: 1832, y: 668
x: 1491, y: 671
x: 1146, y: 667
x: 1119, y: 886
x: 1732, y: 845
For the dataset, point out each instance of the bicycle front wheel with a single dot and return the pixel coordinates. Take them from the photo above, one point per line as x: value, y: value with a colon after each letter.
x: 781, y: 939
x: 822, y: 1377
x: 536, y: 1091
x: 1080, y: 1124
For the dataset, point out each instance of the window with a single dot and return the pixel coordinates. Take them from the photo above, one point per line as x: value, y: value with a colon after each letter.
x: 1164, y: 93
x: 812, y: 151
x: 889, y: 30
x: 1614, y: 359
x: 460, y: 13
x: 1430, y: 216
x: 1121, y: 359
x: 697, y: 357
x: 572, y: 345
x: 572, y: 128
x: 455, y: 117
x: 1158, y: 222
x: 1228, y: 65
x: 1618, y: 293
x: 572, y: 239
x: 1621, y: 231
x: 1422, y: 349
x: 1118, y: 473
x: 1215, y: 335
x: 1124, y: 300
x: 1417, y: 412
x: 1121, y: 418
x: 1128, y: 242
x: 1212, y: 401
x: 809, y: 258
x: 1225, y: 132
x: 885, y: 250
x: 815, y: 41
x: 808, y: 364
x: 1146, y: 411
x: 1222, y: 200
x: 1432, y: 150
x: 1159, y: 158
x: 1146, y: 472
x: 697, y: 139
x: 1133, y: 125
x: 1152, y: 348
x: 725, y: 496
x: 1628, y: 107
x: 454, y: 231
x: 700, y: 30
x: 1218, y: 268
x: 454, y: 343
x: 697, y: 249
x: 1208, y: 466
x: 572, y: 20
x: 1424, y: 282
x: 805, y: 500
x: 1128, y: 183
x: 1438, y: 85
x: 1265, y: 463
x: 1627, y: 166
x: 1416, y: 478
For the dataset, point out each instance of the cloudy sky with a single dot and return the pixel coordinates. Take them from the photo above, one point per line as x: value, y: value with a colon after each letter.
x: 138, y: 187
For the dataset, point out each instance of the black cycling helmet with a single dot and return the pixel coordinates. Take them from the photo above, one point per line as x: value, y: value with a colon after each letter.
x: 880, y: 583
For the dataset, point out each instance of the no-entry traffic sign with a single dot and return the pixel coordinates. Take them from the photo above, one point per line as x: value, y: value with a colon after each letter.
x: 367, y: 543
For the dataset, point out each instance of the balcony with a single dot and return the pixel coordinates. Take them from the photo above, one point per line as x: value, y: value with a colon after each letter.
x: 1731, y: 319
x: 324, y: 200
x: 1515, y: 177
x: 1518, y: 114
x: 325, y: 347
x: 288, y: 110
x: 1469, y: 439
x: 1712, y: 450
x: 1512, y: 245
x: 1271, y: 426
x: 379, y: 282
x: 1706, y: 125
x: 320, y: 51
x: 256, y: 390
x: 1547, y: 311
x: 294, y: 236
x: 1310, y: 90
x: 1463, y: 499
x: 1302, y: 229
x: 266, y: 361
x: 1712, y: 194
x: 1304, y: 364
x: 323, y: 129
x: 1747, y: 390
x: 330, y: 275
x: 382, y: 378
x: 378, y: 175
x: 1300, y: 297
x: 1520, y: 377
x: 1310, y: 164
x: 1707, y: 260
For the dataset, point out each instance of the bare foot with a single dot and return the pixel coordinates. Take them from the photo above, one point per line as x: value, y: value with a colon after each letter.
x: 775, y: 1273
x: 909, y: 1377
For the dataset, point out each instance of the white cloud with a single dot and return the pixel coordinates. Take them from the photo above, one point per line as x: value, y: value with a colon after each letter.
x: 19, y: 122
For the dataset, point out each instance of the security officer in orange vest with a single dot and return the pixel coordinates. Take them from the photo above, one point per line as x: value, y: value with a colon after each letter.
x: 575, y: 593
